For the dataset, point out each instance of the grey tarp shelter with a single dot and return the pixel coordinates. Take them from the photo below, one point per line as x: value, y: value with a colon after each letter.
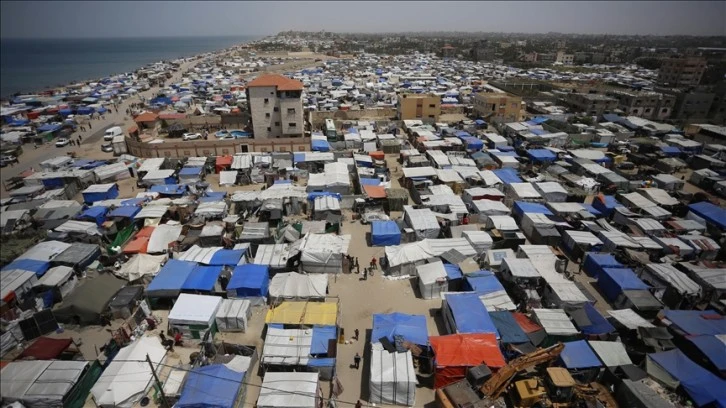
x: 89, y: 300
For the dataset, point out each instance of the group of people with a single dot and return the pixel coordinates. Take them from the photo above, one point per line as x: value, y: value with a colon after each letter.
x: 353, y: 264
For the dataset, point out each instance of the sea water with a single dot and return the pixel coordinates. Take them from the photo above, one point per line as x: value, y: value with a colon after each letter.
x: 31, y: 65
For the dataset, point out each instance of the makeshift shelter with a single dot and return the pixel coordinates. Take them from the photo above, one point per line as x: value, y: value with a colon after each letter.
x: 98, y: 192
x: 202, y: 279
x: 233, y: 315
x: 46, y: 348
x: 78, y: 255
x: 384, y: 233
x: 128, y: 376
x: 139, y: 243
x: 613, y: 281
x: 298, y: 286
x: 556, y: 324
x: 60, y: 279
x: 465, y: 313
x: 422, y: 221
x: 411, y: 328
x: 323, y: 253
x: 637, y: 394
x: 40, y: 383
x: 695, y: 322
x: 392, y: 377
x: 96, y: 215
x: 140, y: 266
x: 251, y: 282
x: 432, y: 281
x: 589, y: 320
x: 595, y: 262
x: 403, y: 259
x: 89, y: 301
x: 304, y: 313
x: 290, y: 390
x: 194, y: 315
x: 509, y: 330
x: 124, y: 303
x: 456, y: 353
x: 671, y: 285
x: 211, y: 386
x: 162, y: 236
x: 673, y: 369
x: 169, y: 281
x: 611, y: 353
x: 579, y: 359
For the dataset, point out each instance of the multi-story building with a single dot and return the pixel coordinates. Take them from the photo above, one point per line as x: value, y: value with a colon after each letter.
x: 682, y: 72
x: 565, y: 59
x: 275, y: 106
x: 648, y: 105
x: 495, y: 105
x: 447, y: 51
x: 591, y: 103
x: 419, y: 106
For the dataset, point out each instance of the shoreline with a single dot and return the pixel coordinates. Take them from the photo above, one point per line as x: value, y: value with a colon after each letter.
x: 58, y: 88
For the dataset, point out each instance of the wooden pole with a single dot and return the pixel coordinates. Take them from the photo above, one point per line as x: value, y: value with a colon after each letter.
x: 164, y: 401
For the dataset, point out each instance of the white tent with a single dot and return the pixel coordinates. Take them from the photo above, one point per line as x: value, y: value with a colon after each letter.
x: 611, y: 353
x: 289, y: 390
x: 61, y: 277
x: 393, y: 378
x: 323, y: 253
x: 422, y: 221
x: 161, y: 237
x: 227, y: 178
x: 39, y: 383
x: 140, y: 265
x: 287, y: 346
x: 293, y: 285
x: 193, y: 315
x: 481, y: 241
x: 128, y: 376
x: 432, y: 280
x: 403, y: 259
x: 233, y: 315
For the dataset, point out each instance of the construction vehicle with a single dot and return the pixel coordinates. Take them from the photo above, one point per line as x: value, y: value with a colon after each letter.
x: 557, y: 390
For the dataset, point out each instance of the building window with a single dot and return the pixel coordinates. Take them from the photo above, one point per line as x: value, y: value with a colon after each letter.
x: 647, y: 110
x: 292, y: 124
x: 275, y: 109
x: 664, y: 110
x: 432, y: 116
x: 277, y: 124
x: 269, y: 129
x: 290, y: 111
x: 272, y: 93
x: 432, y: 105
x: 267, y: 100
x: 267, y: 115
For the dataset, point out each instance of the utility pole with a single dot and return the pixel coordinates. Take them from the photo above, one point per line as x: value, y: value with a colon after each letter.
x: 164, y: 401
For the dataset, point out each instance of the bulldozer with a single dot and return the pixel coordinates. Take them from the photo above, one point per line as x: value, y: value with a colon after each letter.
x: 555, y: 388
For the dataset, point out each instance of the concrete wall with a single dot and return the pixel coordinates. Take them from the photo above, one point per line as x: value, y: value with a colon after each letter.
x: 259, y: 111
x: 317, y: 118
x: 175, y: 148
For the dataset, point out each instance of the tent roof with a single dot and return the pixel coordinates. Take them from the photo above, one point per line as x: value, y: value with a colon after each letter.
x: 700, y: 384
x: 304, y: 313
x: 578, y: 354
x: 211, y: 386
x: 696, y: 322
x: 467, y: 350
x: 509, y: 330
x: 199, y: 309
x: 298, y: 285
x: 293, y: 390
x: 411, y: 327
x: 612, y: 353
x: 470, y: 314
x: 46, y: 348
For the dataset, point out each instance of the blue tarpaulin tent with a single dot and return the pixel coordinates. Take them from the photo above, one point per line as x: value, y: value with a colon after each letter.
x: 94, y: 214
x: 364, y: 181
x: 202, y: 278
x: 578, y: 354
x: 508, y: 328
x: 483, y: 284
x: 190, y: 172
x: 713, y: 214
x: 212, y: 386
x: 595, y: 262
x: 161, y: 101
x: 170, y: 279
x: 592, y: 210
x: 100, y: 192
x: 701, y: 385
x: 521, y: 207
x: 614, y: 281
x: 453, y: 271
x: 713, y: 348
x: 670, y: 151
x: 473, y: 143
x: 598, y: 324
x: 469, y: 313
x: 32, y: 265
x: 49, y: 127
x: 320, y: 145
x: 321, y: 339
x: 169, y: 189
x: 125, y: 211
x: 410, y: 327
x: 250, y: 280
x: 606, y: 204
x: 507, y: 175
x: 84, y: 110
x: 315, y: 194
x: 696, y: 322
x: 227, y: 257
x: 541, y: 155
x: 384, y: 233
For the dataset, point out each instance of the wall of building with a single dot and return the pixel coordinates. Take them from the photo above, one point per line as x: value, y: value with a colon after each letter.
x: 262, y: 113
x: 681, y: 72
x: 498, y: 107
x: 412, y: 106
x: 317, y: 118
x: 180, y: 149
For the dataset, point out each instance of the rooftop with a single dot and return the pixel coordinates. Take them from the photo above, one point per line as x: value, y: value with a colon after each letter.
x: 282, y: 83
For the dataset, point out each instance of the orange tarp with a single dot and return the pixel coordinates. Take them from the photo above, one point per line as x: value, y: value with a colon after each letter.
x: 222, y: 163
x: 378, y: 155
x: 140, y: 242
x: 146, y: 117
x: 527, y: 325
x: 375, y: 191
x: 456, y: 352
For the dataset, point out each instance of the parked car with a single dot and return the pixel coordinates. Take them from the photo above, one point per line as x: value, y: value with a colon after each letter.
x: 6, y: 160
x: 107, y: 147
x: 191, y: 136
x: 367, y: 218
x: 62, y: 142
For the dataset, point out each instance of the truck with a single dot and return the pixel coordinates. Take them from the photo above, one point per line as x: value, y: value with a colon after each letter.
x: 112, y: 132
x: 119, y: 145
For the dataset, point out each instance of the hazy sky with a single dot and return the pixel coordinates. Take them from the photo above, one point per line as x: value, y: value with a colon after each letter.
x: 185, y: 18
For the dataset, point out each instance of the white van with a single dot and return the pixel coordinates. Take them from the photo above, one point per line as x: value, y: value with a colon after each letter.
x: 112, y: 132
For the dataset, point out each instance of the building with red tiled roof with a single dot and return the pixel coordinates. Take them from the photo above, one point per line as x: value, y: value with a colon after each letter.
x: 147, y: 120
x: 275, y: 106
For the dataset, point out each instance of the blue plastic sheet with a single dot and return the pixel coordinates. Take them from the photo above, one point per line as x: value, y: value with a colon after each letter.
x: 410, y: 327
x: 32, y: 265
x: 469, y: 314
x: 521, y: 207
x: 710, y: 212
x: 711, y: 347
x: 453, y: 271
x: 508, y: 176
x: 320, y: 146
x: 385, y: 233
x: 696, y: 322
x: 483, y: 284
x: 125, y: 211
x: 250, y: 280
x: 614, y: 281
x: 202, y: 278
x: 212, y: 386
x: 171, y: 277
x: 700, y: 384
x: 227, y: 257
x: 599, y: 324
x: 96, y: 214
x: 168, y: 189
x: 321, y: 338
x: 508, y: 328
x: 541, y: 155
x: 595, y: 262
x: 578, y: 354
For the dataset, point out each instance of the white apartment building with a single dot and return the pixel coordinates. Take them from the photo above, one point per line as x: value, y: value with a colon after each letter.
x: 275, y: 104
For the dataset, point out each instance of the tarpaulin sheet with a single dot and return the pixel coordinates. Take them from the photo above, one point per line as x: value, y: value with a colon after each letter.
x: 696, y: 322
x: 411, y: 327
x: 596, y: 262
x: 96, y: 214
x: 46, y: 348
x: 710, y: 212
x: 521, y: 207
x: 32, y: 265
x: 212, y: 386
x: 227, y: 257
x: 508, y: 328
x: 250, y: 280
x: 457, y: 352
x: 508, y: 176
x: 484, y: 284
x: 700, y: 384
x: 321, y: 339
x: 578, y: 354
x: 171, y: 278
x: 384, y: 233
x: 713, y: 348
x: 613, y: 282
x: 307, y: 313
x: 453, y: 271
x: 599, y: 324
x: 125, y: 211
x: 473, y: 143
x: 320, y: 146
x: 541, y: 155
x: 202, y: 278
x: 527, y: 324
x: 470, y: 314
x: 168, y: 189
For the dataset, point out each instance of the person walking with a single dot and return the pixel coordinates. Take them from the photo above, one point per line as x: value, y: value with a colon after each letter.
x: 89, y: 125
x: 373, y: 263
x: 80, y: 137
x: 356, y: 332
x: 358, y: 404
x: 365, y: 273
x: 356, y: 361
